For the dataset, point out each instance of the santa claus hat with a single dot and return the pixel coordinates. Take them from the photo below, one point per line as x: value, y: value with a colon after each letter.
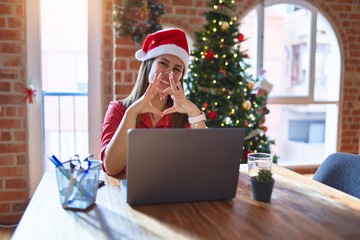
x: 168, y: 41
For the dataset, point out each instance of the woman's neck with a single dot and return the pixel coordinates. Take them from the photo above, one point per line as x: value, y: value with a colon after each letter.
x: 159, y: 104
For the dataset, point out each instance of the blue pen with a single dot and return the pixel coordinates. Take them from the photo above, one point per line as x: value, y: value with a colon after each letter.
x: 56, y: 161
x: 59, y: 165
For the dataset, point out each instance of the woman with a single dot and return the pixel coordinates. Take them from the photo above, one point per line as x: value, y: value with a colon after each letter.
x: 156, y: 101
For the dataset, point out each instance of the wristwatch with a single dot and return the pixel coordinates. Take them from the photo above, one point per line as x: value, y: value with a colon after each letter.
x: 196, y: 119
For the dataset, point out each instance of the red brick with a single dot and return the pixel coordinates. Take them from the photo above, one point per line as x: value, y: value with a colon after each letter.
x: 19, y: 206
x: 13, y: 148
x: 10, y: 218
x: 2, y: 23
x: 5, y: 136
x: 10, y: 74
x: 5, y: 207
x: 6, y: 9
x: 123, y: 89
x: 19, y: 136
x: 17, y: 22
x: 15, y: 184
x: 12, y: 172
x: 10, y: 111
x: 125, y: 51
x: 12, y: 123
x: 20, y: 10
x: 5, y: 86
x: 11, y: 35
x: 13, y: 195
x: 6, y: 160
x: 11, y: 48
x: 13, y: 61
x: 21, y: 159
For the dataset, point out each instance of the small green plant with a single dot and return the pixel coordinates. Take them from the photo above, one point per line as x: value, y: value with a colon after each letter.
x: 264, y: 175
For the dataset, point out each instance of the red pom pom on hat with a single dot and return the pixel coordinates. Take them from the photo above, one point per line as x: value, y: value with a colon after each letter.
x: 167, y: 41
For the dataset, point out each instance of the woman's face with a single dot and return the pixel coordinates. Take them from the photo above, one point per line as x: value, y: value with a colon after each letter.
x: 165, y: 64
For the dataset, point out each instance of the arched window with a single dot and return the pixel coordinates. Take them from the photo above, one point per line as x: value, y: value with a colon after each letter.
x: 296, y: 47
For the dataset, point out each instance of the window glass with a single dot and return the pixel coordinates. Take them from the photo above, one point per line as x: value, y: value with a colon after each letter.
x: 64, y: 45
x: 327, y: 62
x: 248, y: 27
x: 286, y: 49
x: 304, y: 134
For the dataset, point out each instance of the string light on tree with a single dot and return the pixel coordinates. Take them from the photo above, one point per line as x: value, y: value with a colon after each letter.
x: 219, y: 81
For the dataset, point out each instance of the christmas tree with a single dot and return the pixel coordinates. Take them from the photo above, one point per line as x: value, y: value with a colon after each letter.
x: 219, y: 83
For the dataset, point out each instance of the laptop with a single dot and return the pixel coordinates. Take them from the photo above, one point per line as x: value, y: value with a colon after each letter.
x: 182, y: 165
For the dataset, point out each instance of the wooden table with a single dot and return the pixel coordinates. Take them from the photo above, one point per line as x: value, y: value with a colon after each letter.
x: 300, y: 209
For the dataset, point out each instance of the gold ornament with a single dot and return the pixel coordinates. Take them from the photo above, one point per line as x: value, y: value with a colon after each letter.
x: 250, y: 84
x: 246, y: 105
x: 144, y: 12
x: 225, y: 26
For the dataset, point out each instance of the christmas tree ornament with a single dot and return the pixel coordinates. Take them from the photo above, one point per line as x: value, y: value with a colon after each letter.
x: 212, y: 114
x: 240, y: 38
x: 225, y: 26
x: 246, y: 105
x: 266, y: 86
x: 209, y: 55
x: 250, y: 84
x: 29, y: 94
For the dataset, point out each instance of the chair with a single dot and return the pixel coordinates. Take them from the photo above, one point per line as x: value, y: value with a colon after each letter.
x: 341, y: 171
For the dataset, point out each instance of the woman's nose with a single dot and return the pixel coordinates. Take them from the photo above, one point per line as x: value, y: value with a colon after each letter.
x: 166, y: 73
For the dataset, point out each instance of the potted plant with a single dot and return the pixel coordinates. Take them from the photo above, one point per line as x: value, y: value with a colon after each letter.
x: 262, y: 185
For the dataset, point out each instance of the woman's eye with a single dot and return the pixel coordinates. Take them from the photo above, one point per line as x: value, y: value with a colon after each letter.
x: 164, y: 64
x: 177, y: 70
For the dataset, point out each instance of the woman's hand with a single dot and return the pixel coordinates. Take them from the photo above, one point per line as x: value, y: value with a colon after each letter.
x: 181, y: 103
x: 143, y: 104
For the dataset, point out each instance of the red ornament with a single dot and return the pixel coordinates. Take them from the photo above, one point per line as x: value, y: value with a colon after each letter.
x: 246, y: 55
x: 29, y: 95
x: 209, y: 55
x: 212, y: 114
x: 205, y: 105
x: 246, y: 152
x: 240, y: 37
x: 264, y: 128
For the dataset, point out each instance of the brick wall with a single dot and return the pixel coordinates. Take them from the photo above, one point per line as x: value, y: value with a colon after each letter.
x: 13, y: 138
x: 344, y: 14
x: 107, y: 55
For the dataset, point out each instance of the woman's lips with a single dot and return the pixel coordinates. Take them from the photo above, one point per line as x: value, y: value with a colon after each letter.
x: 166, y: 83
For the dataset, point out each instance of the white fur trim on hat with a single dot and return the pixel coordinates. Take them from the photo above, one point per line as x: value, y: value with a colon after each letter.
x: 171, y: 49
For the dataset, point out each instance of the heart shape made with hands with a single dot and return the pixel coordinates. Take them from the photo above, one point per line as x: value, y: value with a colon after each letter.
x: 175, y: 91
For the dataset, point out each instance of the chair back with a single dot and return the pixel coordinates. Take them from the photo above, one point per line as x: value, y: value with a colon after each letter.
x: 341, y: 171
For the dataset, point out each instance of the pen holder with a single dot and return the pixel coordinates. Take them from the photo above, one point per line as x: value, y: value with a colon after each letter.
x: 77, y: 185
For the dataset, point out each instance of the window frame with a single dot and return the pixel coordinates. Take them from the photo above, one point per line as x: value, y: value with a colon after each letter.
x: 300, y: 100
x: 35, y: 126
x: 260, y: 49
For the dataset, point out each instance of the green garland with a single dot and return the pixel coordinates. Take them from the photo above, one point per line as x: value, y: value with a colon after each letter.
x: 124, y: 15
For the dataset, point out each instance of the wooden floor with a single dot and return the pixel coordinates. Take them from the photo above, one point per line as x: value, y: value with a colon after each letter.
x: 6, y: 233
